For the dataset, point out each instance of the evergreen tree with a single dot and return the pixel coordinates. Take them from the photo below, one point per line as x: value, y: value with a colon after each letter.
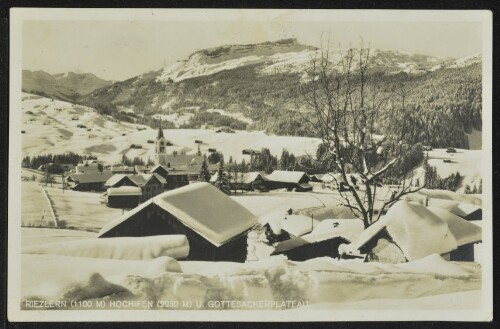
x: 222, y: 182
x: 467, y: 189
x: 204, y: 175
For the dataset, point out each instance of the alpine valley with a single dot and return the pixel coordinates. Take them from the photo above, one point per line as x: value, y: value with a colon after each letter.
x: 259, y: 87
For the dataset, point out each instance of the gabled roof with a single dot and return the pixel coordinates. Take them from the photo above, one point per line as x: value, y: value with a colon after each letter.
x: 158, y: 166
x: 250, y: 177
x: 99, y: 177
x: 216, y: 216
x: 124, y: 191
x: 286, y: 176
x: 420, y: 231
x: 112, y: 181
x: 138, y: 180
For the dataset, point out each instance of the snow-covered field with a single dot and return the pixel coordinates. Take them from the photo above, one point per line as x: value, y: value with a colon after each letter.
x: 49, y: 128
x: 466, y: 162
x: 80, y: 210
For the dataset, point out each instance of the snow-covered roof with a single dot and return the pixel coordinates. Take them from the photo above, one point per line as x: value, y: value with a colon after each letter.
x: 464, y: 231
x: 138, y: 179
x: 286, y: 176
x: 113, y: 180
x: 92, y: 177
x: 350, y: 229
x: 250, y: 177
x: 159, y: 166
x: 201, y: 207
x: 416, y: 230
x: 124, y: 191
x: 461, y: 209
x: 297, y: 225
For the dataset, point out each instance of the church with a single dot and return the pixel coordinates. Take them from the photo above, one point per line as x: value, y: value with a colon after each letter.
x: 177, y: 169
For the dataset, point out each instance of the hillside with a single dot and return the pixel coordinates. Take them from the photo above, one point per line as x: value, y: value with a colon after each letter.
x: 263, y: 82
x: 65, y: 86
x: 51, y: 126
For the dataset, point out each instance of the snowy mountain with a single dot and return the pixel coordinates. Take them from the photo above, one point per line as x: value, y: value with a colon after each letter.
x: 286, y: 56
x: 261, y: 82
x: 63, y: 86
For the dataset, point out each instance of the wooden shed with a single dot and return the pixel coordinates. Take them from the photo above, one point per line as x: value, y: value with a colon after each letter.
x: 214, y: 224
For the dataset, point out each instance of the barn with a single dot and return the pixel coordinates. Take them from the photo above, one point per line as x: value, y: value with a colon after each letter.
x: 150, y: 184
x: 124, y: 197
x: 290, y: 180
x: 88, y: 181
x: 214, y: 224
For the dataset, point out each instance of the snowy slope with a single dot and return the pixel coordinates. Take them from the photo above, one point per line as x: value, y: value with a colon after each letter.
x: 49, y: 128
x: 466, y: 162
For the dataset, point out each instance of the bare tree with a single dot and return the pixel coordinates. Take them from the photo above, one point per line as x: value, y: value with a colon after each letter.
x: 345, y: 102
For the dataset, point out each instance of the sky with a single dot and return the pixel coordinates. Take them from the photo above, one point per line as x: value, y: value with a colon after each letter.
x: 121, y: 49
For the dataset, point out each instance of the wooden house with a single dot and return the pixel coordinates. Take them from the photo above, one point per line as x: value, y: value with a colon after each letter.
x: 150, y: 184
x: 214, y: 224
x: 291, y: 180
x: 93, y: 181
x: 124, y: 197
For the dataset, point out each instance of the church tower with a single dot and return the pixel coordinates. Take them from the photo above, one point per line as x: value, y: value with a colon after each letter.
x: 161, y: 148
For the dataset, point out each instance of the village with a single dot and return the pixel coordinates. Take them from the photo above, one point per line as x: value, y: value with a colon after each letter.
x: 277, y: 175
x: 174, y: 213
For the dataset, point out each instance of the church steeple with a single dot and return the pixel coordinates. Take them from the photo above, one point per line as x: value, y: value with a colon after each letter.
x: 160, y: 131
x: 161, y: 147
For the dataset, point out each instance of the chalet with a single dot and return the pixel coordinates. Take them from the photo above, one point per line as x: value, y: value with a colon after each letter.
x: 150, y: 184
x: 160, y: 170
x: 291, y: 180
x: 214, y: 224
x: 253, y: 181
x: 410, y: 231
x: 124, y: 197
x: 451, y: 150
x: 93, y: 181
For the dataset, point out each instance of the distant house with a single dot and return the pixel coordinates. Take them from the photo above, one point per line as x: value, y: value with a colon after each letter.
x: 214, y: 224
x: 160, y: 170
x: 180, y: 160
x: 93, y: 181
x: 67, y: 166
x: 124, y: 196
x: 122, y: 169
x: 290, y: 180
x: 252, y: 181
x: 74, y: 118
x: 150, y: 184
x: 451, y: 150
x: 250, y: 152
x: 88, y: 167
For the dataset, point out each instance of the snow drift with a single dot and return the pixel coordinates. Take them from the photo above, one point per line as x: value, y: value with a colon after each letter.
x: 320, y: 280
x: 131, y: 248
